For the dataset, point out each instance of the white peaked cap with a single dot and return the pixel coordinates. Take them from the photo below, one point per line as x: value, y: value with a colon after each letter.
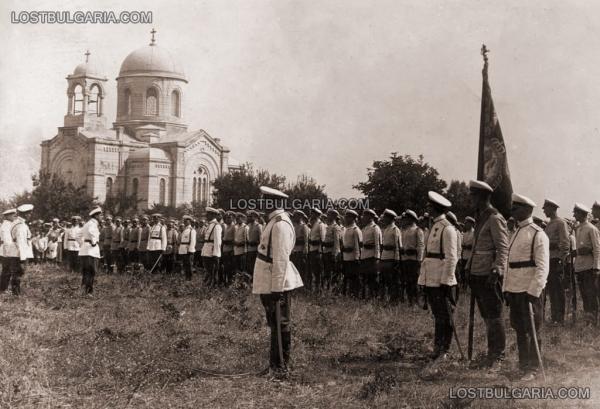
x: 480, y: 185
x: 439, y: 199
x: 269, y: 191
x: 582, y: 207
x: 516, y: 198
x: 25, y: 208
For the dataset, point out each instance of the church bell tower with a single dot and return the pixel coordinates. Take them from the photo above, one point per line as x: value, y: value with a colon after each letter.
x: 86, y: 93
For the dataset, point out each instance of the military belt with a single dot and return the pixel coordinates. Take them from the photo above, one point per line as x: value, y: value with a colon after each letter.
x: 299, y: 241
x: 467, y: 246
x: 369, y: 246
x: 522, y: 264
x: 347, y: 249
x: 227, y: 242
x: 409, y: 252
x: 89, y: 241
x: 314, y: 242
x: 388, y: 248
x: 253, y: 243
x: 440, y: 256
x: 264, y: 258
x: 328, y: 244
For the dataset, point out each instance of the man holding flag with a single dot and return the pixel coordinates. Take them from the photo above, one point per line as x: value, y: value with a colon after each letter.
x: 491, y: 194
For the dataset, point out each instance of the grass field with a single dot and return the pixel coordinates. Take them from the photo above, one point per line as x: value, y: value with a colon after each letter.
x: 157, y: 342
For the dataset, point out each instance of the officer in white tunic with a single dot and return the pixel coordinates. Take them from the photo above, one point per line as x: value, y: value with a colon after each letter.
x: 9, y: 217
x: 275, y: 276
x: 89, y: 253
x: 187, y: 246
x: 157, y: 242
x: 211, y: 251
x: 17, y: 249
x: 526, y: 275
x: 438, y: 272
x: 351, y: 251
x: 391, y: 248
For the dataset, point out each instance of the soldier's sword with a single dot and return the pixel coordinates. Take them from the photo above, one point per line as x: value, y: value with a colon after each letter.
x: 537, y: 347
x: 471, y: 325
x: 279, y: 340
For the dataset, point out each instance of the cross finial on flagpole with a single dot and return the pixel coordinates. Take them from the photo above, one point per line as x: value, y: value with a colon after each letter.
x: 87, y: 55
x: 484, y: 53
x: 153, y: 40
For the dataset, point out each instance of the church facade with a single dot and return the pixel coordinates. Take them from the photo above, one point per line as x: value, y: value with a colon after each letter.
x: 149, y: 151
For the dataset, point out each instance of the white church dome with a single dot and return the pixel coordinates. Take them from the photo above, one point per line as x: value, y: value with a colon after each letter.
x: 151, y: 60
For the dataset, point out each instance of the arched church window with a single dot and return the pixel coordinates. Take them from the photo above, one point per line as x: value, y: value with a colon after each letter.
x: 151, y: 102
x: 127, y: 106
x: 134, y: 186
x: 162, y: 192
x: 78, y: 103
x: 109, y: 186
x: 194, y: 190
x: 94, y: 100
x: 175, y: 104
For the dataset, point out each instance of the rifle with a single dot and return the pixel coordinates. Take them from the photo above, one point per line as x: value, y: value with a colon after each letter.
x: 573, y: 287
x: 471, y: 326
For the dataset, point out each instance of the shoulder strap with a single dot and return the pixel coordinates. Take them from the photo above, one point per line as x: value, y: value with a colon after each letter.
x: 269, y: 246
x: 533, y: 244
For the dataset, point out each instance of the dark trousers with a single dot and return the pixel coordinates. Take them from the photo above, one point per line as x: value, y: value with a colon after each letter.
x: 270, y: 302
x: 226, y: 270
x: 89, y: 266
x: 168, y: 263
x: 556, y: 290
x: 315, y: 270
x: 489, y: 302
x: 107, y: 254
x: 211, y: 264
x: 133, y: 256
x: 329, y: 270
x: 300, y: 260
x: 73, y: 256
x: 587, y: 287
x: 368, y: 274
x: 520, y: 320
x: 390, y: 279
x: 142, y: 256
x: 239, y: 262
x: 186, y: 260
x: 251, y: 260
x: 12, y: 271
x: 121, y: 259
x: 409, y: 277
x: 153, y: 257
x: 351, y: 279
x: 441, y: 310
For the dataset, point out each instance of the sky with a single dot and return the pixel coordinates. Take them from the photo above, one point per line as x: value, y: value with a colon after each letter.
x: 325, y: 88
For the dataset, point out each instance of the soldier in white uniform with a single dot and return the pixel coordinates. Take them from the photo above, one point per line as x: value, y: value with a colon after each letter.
x: 211, y: 251
x: 187, y: 246
x: 351, y: 249
x: 89, y: 253
x: 315, y: 250
x: 526, y: 275
x: 19, y: 251
x: 275, y: 276
x: 168, y: 262
x: 331, y: 249
x: 438, y: 272
x: 370, y: 254
x: 72, y: 238
x: 240, y: 243
x: 157, y: 241
x: 587, y: 262
x: 6, y: 243
x: 391, y: 248
x: 300, y: 252
x: 413, y: 248
x: 254, y: 232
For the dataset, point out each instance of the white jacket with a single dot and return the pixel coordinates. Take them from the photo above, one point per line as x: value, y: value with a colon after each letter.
x: 213, y: 236
x: 21, y: 236
x: 273, y: 270
x: 90, y: 234
x: 441, y: 255
x: 158, y: 238
x: 187, y: 240
x: 5, y: 239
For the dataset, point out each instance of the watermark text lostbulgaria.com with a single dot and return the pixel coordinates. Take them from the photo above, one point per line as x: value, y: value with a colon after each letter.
x: 81, y: 17
x: 521, y: 393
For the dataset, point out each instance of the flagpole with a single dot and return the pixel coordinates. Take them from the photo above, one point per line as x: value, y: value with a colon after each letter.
x: 484, y: 51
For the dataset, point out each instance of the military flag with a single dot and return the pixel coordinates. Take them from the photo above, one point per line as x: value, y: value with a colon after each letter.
x: 492, y: 166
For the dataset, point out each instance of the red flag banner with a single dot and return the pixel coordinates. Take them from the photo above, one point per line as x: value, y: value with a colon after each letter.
x: 492, y: 166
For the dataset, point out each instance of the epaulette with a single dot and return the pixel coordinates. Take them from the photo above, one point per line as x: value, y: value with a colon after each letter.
x: 278, y: 219
x: 536, y: 227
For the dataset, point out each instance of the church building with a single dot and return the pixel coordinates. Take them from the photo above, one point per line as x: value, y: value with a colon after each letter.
x: 149, y: 150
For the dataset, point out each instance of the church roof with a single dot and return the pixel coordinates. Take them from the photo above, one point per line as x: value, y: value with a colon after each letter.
x: 87, y: 69
x: 154, y: 154
x: 151, y: 61
x: 109, y: 134
x: 186, y: 138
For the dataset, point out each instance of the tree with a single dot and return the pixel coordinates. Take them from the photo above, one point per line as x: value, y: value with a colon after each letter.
x: 53, y: 197
x: 400, y: 183
x: 306, y: 190
x: 458, y: 194
x: 121, y: 204
x: 232, y: 189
